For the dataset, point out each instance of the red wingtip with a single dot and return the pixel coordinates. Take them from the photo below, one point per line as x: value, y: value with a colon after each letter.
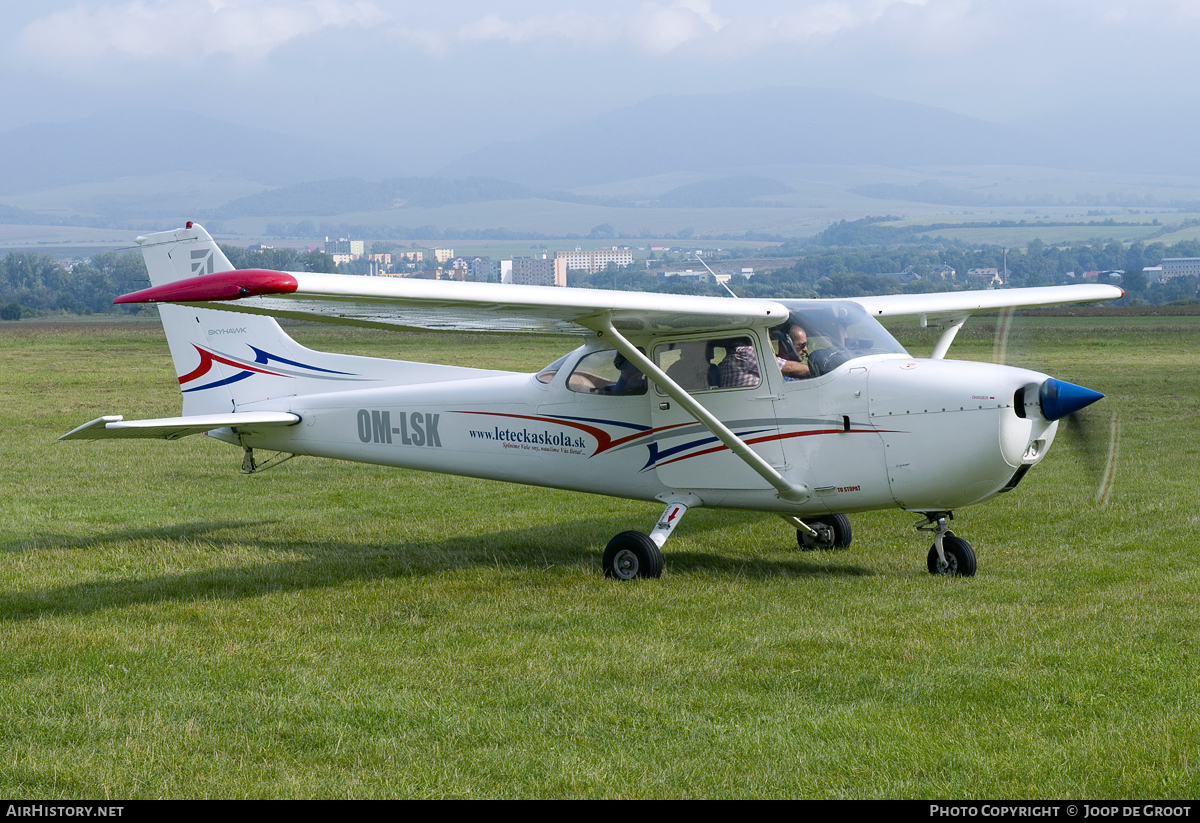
x: 228, y: 285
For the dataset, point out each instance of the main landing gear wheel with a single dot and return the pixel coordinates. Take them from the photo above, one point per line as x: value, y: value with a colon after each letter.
x: 630, y: 555
x: 960, y: 557
x: 833, y: 532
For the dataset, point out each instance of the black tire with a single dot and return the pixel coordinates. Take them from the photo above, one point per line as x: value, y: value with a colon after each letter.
x: 960, y: 557
x: 833, y: 533
x: 630, y: 555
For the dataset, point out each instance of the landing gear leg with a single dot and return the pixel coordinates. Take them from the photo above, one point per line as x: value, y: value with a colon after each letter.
x: 950, y: 554
x: 632, y: 554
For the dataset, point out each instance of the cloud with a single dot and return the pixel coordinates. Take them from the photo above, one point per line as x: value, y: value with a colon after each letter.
x: 658, y: 29
x: 93, y: 37
x: 569, y: 25
x: 185, y: 30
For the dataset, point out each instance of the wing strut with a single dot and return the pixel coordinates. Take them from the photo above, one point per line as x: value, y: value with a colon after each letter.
x: 948, y: 333
x: 789, y: 491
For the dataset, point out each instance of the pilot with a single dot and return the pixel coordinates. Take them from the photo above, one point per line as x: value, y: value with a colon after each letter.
x: 793, y: 349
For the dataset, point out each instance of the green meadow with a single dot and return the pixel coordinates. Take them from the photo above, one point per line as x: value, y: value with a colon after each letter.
x: 172, y: 628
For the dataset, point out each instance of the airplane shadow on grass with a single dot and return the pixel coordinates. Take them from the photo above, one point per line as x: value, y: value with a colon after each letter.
x: 329, y: 563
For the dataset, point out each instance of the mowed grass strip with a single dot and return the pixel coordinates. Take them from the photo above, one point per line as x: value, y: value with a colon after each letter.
x: 171, y: 628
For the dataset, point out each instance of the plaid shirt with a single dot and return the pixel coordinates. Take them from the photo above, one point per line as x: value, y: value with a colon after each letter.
x: 738, y: 368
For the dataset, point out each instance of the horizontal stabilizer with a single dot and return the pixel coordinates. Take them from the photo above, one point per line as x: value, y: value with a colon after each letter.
x: 172, y: 428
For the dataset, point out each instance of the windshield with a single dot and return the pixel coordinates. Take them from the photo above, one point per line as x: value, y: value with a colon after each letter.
x: 838, y: 331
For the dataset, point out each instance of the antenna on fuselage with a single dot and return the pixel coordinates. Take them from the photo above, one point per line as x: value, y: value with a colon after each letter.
x: 714, y: 274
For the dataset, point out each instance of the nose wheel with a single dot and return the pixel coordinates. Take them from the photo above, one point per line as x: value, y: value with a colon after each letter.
x: 960, y: 557
x: 950, y: 554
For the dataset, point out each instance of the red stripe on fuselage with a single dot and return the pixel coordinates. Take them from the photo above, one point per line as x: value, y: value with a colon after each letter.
x: 766, y: 439
x: 604, y: 439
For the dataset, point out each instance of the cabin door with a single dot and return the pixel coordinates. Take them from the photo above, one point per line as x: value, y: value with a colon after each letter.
x: 723, y: 375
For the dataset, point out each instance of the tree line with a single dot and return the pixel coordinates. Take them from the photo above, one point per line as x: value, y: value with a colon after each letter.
x: 38, y: 284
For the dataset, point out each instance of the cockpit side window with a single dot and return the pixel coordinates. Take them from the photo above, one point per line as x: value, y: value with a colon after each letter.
x: 837, y: 332
x: 708, y: 365
x: 606, y: 372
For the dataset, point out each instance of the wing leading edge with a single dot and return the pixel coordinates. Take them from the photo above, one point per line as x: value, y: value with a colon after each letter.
x: 447, y: 305
x: 380, y: 302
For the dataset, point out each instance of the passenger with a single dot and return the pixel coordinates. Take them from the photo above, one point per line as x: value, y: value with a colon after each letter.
x: 631, y: 381
x: 692, y: 370
x: 739, y: 367
x: 838, y: 337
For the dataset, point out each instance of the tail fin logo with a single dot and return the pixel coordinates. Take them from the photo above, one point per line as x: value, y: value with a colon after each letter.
x: 202, y: 261
x: 259, y: 365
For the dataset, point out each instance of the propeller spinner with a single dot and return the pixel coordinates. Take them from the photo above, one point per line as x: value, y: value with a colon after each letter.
x: 1060, y: 398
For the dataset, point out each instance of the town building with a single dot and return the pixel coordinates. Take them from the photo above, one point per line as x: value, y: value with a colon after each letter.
x: 594, y: 260
x: 1179, y: 266
x: 696, y: 276
x: 539, y: 271
x: 995, y: 277
x: 483, y: 270
x: 443, y: 255
x: 351, y: 248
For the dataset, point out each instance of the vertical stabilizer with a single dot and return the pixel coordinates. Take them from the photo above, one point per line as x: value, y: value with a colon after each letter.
x: 226, y: 360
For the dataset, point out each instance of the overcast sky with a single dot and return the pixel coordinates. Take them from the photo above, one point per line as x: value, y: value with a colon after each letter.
x: 437, y: 79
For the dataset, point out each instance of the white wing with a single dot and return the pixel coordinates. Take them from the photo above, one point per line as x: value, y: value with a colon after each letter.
x: 387, y: 302
x: 965, y: 303
x: 951, y: 309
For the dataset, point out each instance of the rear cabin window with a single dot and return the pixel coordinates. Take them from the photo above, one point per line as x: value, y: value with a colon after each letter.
x: 709, y: 365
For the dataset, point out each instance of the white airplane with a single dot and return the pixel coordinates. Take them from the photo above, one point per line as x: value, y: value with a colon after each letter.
x: 861, y: 424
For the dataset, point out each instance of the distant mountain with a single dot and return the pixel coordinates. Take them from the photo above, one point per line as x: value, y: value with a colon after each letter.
x: 350, y: 194
x: 743, y: 130
x: 141, y: 140
x: 328, y: 197
x: 325, y: 197
x: 743, y: 190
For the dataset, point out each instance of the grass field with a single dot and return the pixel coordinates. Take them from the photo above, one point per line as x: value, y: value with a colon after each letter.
x: 1020, y: 236
x: 171, y: 628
